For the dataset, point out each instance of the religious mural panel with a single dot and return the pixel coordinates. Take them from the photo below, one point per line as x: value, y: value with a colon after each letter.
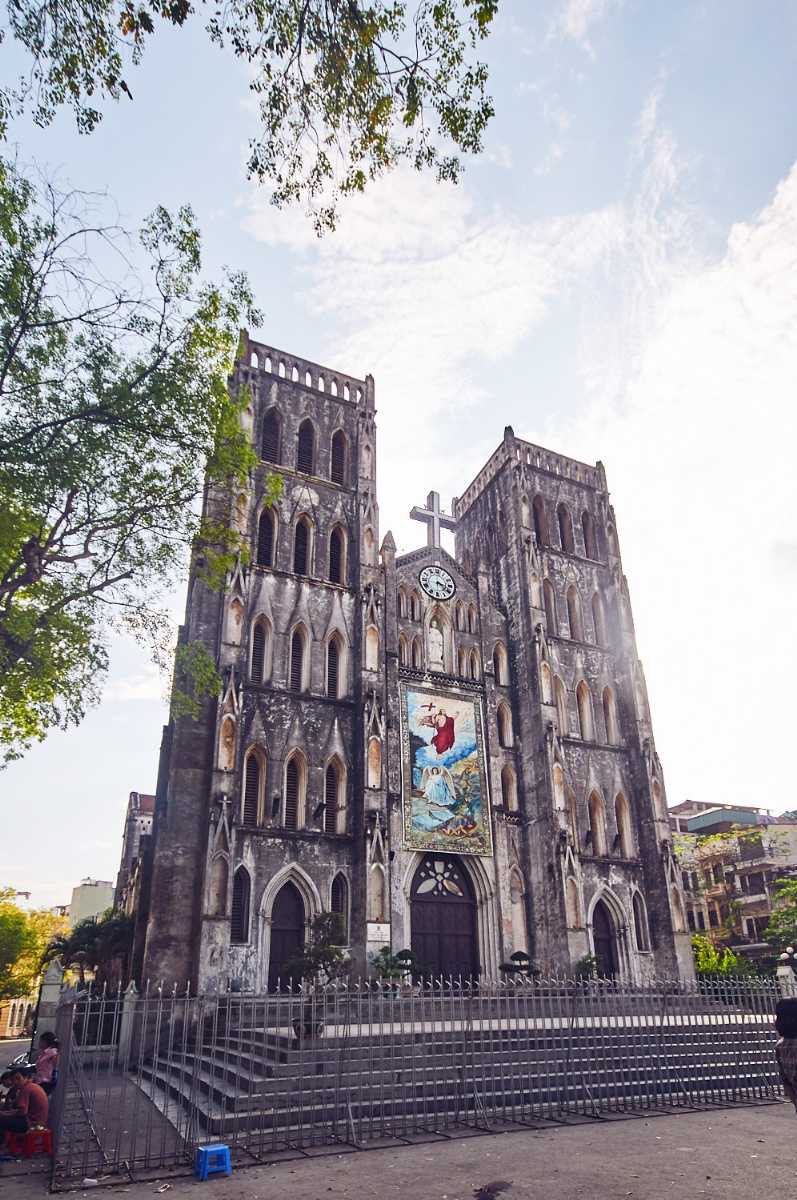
x: 446, y: 802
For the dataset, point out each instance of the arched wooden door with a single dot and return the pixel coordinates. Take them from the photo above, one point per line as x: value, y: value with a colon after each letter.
x: 443, y: 919
x: 287, y: 934
x: 605, y: 941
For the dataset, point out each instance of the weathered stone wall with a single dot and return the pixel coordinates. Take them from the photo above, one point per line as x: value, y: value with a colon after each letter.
x: 498, y: 528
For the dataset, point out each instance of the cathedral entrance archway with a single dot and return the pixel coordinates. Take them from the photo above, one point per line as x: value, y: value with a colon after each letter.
x: 604, y: 938
x: 443, y: 918
x: 287, y: 934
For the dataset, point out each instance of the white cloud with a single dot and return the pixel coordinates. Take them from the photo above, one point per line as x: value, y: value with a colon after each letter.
x: 147, y: 684
x: 688, y: 363
x: 424, y: 291
x: 578, y: 17
x: 698, y: 446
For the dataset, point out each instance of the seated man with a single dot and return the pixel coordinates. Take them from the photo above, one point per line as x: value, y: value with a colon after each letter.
x: 29, y: 1106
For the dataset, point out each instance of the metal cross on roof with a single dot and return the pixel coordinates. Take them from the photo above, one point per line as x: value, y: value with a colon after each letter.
x: 434, y: 519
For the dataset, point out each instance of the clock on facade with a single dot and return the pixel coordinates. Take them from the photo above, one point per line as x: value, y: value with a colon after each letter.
x: 437, y: 583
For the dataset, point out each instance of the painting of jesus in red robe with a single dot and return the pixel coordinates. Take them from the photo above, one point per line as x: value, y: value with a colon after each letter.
x: 443, y: 725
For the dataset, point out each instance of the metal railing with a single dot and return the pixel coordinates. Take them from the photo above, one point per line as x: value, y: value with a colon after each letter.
x: 145, y: 1079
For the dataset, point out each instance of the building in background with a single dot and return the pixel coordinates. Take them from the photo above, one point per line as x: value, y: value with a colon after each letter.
x: 731, y: 857
x: 138, y: 825
x: 453, y: 753
x: 90, y: 898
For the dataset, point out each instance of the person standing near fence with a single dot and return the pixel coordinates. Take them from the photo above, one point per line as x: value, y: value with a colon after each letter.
x: 786, y: 1049
x: 47, y: 1062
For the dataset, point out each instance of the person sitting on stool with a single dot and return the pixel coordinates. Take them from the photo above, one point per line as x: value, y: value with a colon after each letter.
x: 30, y: 1106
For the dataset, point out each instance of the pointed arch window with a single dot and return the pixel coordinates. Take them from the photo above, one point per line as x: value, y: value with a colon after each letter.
x: 404, y: 658
x: 417, y: 654
x: 471, y: 619
x: 217, y: 900
x: 337, y: 555
x: 372, y: 648
x: 295, y: 786
x: 305, y: 448
x: 338, y: 457
x: 474, y: 663
x: 545, y: 683
x: 266, y: 528
x: 500, y: 664
x: 610, y: 717
x: 574, y: 614
x: 374, y: 762
x: 260, y: 645
x: 239, y: 921
x: 588, y: 530
x: 524, y: 512
x: 597, y: 825
x: 572, y: 904
x: 254, y: 785
x: 572, y: 814
x: 298, y: 656
x: 549, y: 600
x: 415, y: 606
x: 302, y: 545
x: 333, y: 667
x: 565, y: 528
x: 459, y: 616
x: 462, y: 661
x: 227, y: 744
x: 598, y: 620
x: 641, y: 928
x: 376, y: 893
x: 540, y: 520
x: 560, y: 696
x: 505, y: 736
x: 340, y: 907
x: 558, y: 789
x: 334, y: 810
x: 584, y: 702
x: 509, y: 789
x: 369, y: 548
x: 402, y: 602
x: 623, y: 819
x: 272, y: 429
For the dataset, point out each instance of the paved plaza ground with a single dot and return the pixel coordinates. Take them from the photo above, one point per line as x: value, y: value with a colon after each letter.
x: 733, y: 1154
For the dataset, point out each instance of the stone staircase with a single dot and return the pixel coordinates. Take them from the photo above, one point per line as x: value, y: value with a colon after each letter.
x: 379, y: 1077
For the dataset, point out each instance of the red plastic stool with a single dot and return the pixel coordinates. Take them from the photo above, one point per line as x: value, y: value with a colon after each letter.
x: 35, y: 1141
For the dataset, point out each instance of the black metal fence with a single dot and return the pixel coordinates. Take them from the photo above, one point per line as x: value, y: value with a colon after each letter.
x: 145, y: 1079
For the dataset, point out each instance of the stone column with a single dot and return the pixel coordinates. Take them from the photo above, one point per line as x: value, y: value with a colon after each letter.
x: 787, y: 981
x: 126, y: 1024
x: 49, y: 999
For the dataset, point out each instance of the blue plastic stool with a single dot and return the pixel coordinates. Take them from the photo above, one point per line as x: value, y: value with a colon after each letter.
x: 212, y: 1160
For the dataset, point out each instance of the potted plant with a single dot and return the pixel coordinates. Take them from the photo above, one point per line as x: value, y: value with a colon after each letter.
x: 320, y: 965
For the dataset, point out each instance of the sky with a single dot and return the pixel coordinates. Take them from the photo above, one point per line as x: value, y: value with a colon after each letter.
x: 615, y: 277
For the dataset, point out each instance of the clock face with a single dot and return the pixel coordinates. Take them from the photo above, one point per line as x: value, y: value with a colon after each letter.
x: 437, y: 583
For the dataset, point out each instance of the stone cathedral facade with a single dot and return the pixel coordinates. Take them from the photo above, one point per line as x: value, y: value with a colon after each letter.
x: 455, y: 754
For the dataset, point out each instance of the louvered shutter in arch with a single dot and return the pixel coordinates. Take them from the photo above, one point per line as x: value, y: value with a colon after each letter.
x: 239, y: 922
x: 265, y: 540
x: 271, y: 437
x: 305, y: 451
x: 338, y: 464
x: 251, y: 790
x: 333, y: 666
x: 292, y: 795
x: 331, y: 783
x: 297, y: 661
x: 258, y: 652
x: 336, y: 556
x: 340, y: 906
x: 301, y: 545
